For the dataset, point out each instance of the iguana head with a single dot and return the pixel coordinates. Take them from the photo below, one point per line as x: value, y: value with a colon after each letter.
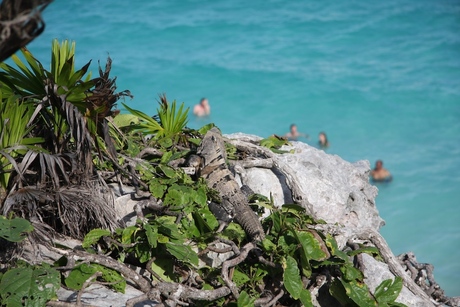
x: 212, y: 147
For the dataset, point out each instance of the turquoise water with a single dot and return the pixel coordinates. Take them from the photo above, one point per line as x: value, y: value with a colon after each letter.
x: 382, y: 79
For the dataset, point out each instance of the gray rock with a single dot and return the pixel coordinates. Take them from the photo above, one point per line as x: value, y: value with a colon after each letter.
x: 329, y: 187
x: 101, y: 296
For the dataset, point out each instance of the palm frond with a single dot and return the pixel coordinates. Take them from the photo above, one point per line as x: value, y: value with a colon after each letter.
x: 71, y: 210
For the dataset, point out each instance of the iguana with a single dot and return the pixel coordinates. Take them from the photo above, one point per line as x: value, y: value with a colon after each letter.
x: 233, y: 202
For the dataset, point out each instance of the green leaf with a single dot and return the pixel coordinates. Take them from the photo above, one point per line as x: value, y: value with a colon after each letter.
x: 81, y: 273
x: 291, y: 277
x: 310, y: 245
x: 168, y: 227
x: 371, y: 250
x: 123, y: 120
x: 333, y: 247
x: 200, y: 197
x: 13, y: 229
x: 168, y: 171
x: 350, y: 273
x: 29, y: 286
x: 239, y: 278
x: 157, y: 188
x: 164, y: 268
x: 152, y: 234
x: 305, y: 298
x: 268, y: 246
x: 234, y: 232
x: 338, y: 292
x: 388, y: 291
x: 244, y: 300
x: 358, y: 292
x: 93, y: 237
x: 128, y: 234
x: 182, y: 252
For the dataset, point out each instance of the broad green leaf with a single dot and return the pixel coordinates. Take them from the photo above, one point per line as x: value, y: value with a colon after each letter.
x: 81, y: 273
x: 179, y: 196
x: 291, y: 277
x: 14, y: 230
x: 350, y: 273
x: 335, y: 251
x: 200, y: 197
x: 305, y: 298
x: 239, y: 278
x: 268, y: 246
x: 164, y: 268
x: 310, y: 245
x: 371, y: 250
x: 204, y: 220
x: 167, y: 170
x: 163, y: 239
x: 206, y: 128
x: 157, y: 188
x: 166, y: 157
x: 29, y: 286
x: 93, y: 237
x: 244, y: 300
x: 143, y: 252
x: 358, y: 292
x: 128, y: 234
x: 339, y: 293
x: 152, y: 234
x: 234, y: 232
x: 182, y: 252
x: 123, y: 120
x: 168, y: 227
x: 388, y: 291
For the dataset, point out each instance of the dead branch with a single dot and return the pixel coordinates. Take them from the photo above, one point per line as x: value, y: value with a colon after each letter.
x: 86, y: 284
x: 149, y: 151
x: 262, y: 163
x: 233, y: 262
x: 139, y: 280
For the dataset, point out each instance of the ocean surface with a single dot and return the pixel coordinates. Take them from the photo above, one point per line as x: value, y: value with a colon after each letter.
x: 382, y: 79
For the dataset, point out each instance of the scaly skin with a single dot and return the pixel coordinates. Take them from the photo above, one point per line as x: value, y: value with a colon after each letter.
x: 218, y: 176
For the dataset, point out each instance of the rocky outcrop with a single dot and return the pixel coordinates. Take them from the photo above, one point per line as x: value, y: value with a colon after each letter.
x: 330, y: 188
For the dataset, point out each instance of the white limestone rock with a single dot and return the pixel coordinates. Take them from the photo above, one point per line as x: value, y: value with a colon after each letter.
x: 329, y: 187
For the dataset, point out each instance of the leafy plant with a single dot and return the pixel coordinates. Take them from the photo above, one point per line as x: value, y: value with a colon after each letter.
x: 29, y: 286
x: 274, y: 143
x: 169, y: 125
x: 15, y: 117
x: 14, y: 229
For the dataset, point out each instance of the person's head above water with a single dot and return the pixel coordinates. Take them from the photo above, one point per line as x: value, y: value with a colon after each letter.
x: 203, y: 108
x: 204, y: 102
x: 322, y: 139
x: 378, y: 164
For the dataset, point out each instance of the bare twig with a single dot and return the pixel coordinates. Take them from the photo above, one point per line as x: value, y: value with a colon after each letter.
x: 233, y: 262
x: 139, y: 280
x: 86, y: 284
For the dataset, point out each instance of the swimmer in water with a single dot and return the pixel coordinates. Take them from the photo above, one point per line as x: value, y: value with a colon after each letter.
x: 203, y: 108
x: 322, y: 140
x: 379, y: 173
x: 294, y: 134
